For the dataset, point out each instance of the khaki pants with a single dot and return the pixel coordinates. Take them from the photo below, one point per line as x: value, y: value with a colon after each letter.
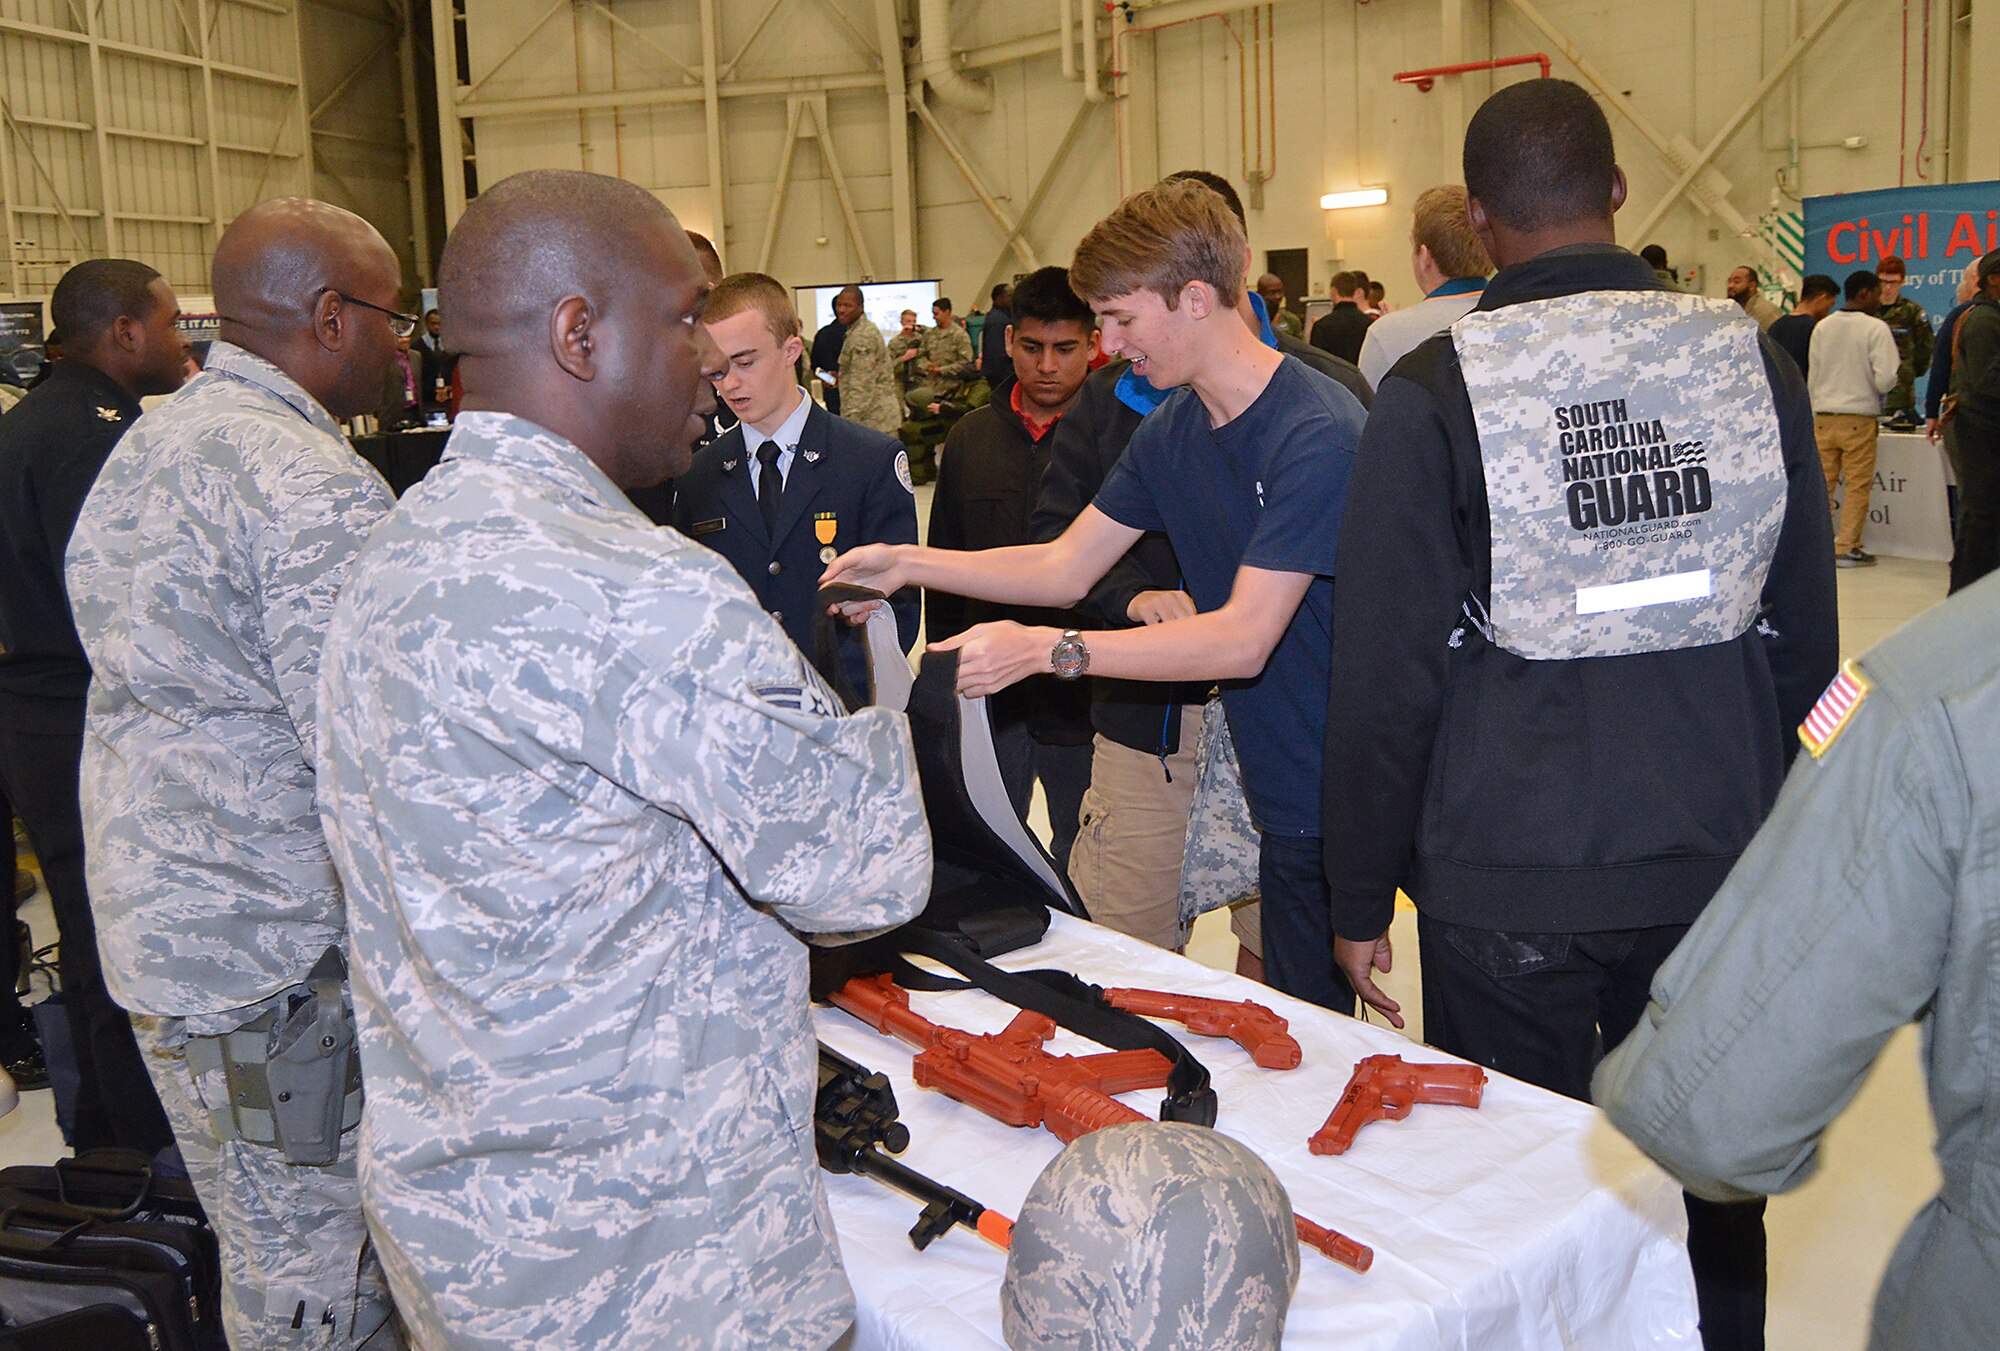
x: 1847, y: 452
x: 1131, y: 833
x: 1126, y: 862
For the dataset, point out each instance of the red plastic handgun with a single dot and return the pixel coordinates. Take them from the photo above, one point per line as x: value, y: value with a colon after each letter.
x: 1250, y: 1025
x: 1385, y: 1088
x: 1011, y: 1078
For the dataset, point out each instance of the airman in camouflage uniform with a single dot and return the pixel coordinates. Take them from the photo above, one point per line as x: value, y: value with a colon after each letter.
x: 1155, y: 1236
x: 945, y: 366
x: 1914, y: 340
x: 868, y: 391
x: 588, y: 797
x: 906, y: 348
x: 202, y: 573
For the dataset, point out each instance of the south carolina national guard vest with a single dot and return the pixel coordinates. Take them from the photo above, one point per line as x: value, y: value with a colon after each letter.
x: 1634, y: 474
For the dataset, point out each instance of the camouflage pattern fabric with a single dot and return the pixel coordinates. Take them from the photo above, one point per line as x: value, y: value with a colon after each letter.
x: 202, y: 572
x: 1633, y: 471
x: 586, y: 796
x: 1914, y: 341
x: 1219, y: 864
x: 295, y: 1245
x: 1151, y: 1237
x: 899, y: 343
x: 868, y: 389
x: 950, y: 350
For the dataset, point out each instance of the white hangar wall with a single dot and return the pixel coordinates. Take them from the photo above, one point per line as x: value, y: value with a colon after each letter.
x: 144, y: 126
x: 1005, y: 132
x: 140, y: 128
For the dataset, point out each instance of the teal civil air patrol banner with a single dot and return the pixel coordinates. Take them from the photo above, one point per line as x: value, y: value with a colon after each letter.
x: 1936, y: 230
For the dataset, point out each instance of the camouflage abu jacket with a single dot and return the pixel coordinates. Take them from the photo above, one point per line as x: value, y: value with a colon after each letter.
x: 586, y: 795
x: 867, y: 385
x: 202, y: 572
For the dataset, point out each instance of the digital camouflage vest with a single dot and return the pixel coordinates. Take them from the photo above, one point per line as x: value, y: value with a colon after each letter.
x: 1634, y: 475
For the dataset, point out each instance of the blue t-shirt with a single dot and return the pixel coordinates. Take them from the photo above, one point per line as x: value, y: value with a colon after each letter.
x: 1264, y: 491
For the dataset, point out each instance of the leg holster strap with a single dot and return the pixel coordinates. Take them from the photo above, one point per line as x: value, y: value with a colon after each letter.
x: 292, y: 1076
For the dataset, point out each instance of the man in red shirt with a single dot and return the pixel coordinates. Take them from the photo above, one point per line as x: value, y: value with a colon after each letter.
x: 989, y: 475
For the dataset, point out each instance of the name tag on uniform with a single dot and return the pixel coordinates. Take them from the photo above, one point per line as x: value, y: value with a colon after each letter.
x: 700, y: 528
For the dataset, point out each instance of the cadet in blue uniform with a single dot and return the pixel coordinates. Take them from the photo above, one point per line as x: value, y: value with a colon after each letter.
x: 791, y: 486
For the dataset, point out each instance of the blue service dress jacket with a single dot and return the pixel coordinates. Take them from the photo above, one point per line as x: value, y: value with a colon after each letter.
x: 848, y: 486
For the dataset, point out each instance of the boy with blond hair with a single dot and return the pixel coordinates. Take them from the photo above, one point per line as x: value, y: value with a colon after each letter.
x: 1244, y: 467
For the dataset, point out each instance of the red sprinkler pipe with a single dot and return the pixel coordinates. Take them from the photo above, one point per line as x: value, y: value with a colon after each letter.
x: 1424, y: 79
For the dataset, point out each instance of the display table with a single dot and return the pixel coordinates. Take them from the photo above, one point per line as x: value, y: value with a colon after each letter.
x: 1909, y: 515
x: 403, y: 457
x: 1526, y: 1223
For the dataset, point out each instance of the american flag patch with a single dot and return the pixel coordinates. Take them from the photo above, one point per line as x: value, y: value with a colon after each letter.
x: 1835, y: 709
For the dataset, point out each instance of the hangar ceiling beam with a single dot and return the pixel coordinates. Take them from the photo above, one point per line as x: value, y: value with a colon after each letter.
x: 1710, y: 191
x: 895, y: 89
x: 1008, y: 227
x: 1000, y: 268
x: 711, y: 113
x: 1735, y: 122
x: 793, y: 115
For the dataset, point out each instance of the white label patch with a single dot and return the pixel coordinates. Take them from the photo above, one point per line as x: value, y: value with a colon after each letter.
x: 1596, y: 600
x: 903, y: 472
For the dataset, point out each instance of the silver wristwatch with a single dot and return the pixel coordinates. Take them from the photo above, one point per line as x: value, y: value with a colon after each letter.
x: 1069, y: 658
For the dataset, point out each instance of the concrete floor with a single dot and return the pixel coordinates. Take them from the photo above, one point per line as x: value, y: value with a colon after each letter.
x: 1829, y: 1241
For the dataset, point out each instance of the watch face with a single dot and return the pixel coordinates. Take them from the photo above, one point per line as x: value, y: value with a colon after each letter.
x: 1070, y: 658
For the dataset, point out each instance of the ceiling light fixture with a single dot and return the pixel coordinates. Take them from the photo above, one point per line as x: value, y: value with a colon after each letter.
x: 1337, y: 201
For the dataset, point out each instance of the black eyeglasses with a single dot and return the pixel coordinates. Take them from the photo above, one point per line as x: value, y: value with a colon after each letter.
x: 402, y: 325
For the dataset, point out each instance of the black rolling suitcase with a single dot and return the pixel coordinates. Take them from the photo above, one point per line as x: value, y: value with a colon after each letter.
x: 95, y: 1249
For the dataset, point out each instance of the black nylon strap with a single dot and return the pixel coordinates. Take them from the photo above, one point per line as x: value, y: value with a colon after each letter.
x: 1070, y: 1003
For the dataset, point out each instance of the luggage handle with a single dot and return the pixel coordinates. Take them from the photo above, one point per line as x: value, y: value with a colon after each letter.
x: 32, y: 1244
x: 119, y: 1163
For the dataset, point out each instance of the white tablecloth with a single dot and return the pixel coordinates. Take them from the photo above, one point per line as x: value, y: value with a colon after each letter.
x: 1908, y: 513
x: 1526, y: 1223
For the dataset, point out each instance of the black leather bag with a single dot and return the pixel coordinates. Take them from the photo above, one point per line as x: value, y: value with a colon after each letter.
x: 98, y: 1242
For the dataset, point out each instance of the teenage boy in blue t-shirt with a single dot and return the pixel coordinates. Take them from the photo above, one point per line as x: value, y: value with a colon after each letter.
x: 1245, y: 468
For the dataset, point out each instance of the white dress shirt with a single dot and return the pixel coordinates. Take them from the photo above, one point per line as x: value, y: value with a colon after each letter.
x: 787, y: 437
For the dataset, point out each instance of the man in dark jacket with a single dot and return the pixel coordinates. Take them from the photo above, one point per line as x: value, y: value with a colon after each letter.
x: 987, y: 479
x: 1344, y: 328
x: 1582, y: 605
x: 995, y: 364
x: 1975, y: 428
x: 119, y: 316
x: 1128, y: 860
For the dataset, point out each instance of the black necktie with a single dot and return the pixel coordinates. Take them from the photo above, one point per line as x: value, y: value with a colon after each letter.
x: 769, y: 486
